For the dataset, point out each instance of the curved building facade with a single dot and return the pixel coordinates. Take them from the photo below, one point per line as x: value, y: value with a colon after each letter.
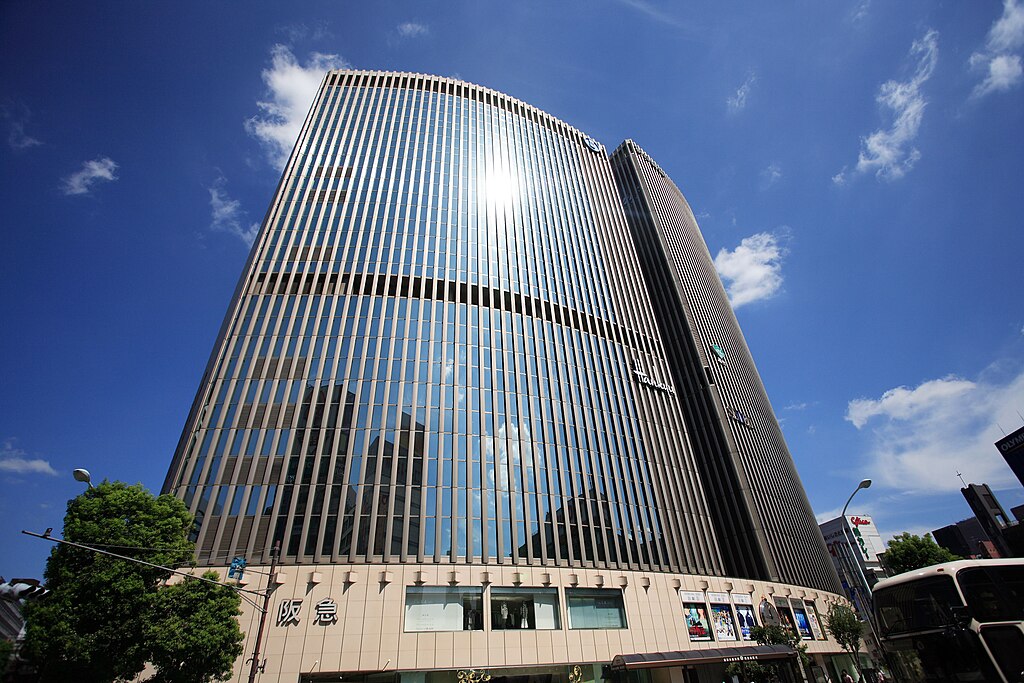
x: 768, y: 529
x: 443, y: 389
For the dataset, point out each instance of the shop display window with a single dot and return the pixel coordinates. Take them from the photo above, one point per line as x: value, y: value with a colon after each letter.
x: 442, y: 608
x: 595, y: 608
x: 524, y: 608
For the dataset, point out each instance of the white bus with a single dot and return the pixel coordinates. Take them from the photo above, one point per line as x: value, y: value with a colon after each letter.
x: 957, y: 621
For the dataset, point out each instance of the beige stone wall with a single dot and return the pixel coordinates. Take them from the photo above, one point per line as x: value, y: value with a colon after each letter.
x: 369, y: 635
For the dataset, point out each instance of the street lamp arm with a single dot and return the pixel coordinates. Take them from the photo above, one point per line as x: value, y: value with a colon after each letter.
x: 241, y: 591
x: 843, y: 513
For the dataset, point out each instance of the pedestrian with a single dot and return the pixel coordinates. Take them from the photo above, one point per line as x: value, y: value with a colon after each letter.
x: 846, y: 677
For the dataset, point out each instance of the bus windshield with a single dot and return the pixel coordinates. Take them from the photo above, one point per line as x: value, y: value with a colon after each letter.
x: 916, y: 605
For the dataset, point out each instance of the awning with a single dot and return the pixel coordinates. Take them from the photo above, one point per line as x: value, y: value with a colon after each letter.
x: 657, y: 660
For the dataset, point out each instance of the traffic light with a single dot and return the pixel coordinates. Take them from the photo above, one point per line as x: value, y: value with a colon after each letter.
x: 17, y: 590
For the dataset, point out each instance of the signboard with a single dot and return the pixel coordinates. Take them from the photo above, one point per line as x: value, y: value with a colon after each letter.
x: 868, y: 540
x: 718, y: 597
x: 691, y: 596
x: 1012, y: 449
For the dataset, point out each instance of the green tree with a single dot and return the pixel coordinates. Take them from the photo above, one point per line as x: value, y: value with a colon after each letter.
x: 96, y: 624
x: 907, y: 552
x: 194, y: 636
x: 846, y: 627
x: 6, y: 652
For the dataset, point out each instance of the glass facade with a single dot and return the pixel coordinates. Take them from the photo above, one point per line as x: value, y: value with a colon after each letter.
x: 442, y: 351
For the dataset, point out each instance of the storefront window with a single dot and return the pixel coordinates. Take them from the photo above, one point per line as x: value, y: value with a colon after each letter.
x: 524, y: 608
x: 595, y: 608
x: 439, y: 608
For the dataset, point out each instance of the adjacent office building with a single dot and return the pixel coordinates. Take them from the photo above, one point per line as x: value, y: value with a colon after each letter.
x: 482, y: 386
x: 1011, y: 447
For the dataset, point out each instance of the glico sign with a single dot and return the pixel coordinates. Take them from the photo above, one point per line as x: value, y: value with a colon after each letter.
x: 856, y: 523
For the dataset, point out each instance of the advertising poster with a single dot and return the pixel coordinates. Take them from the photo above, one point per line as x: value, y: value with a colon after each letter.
x: 745, y: 614
x: 803, y: 625
x: 721, y: 620
x: 697, y: 621
x: 785, y: 614
x: 812, y: 616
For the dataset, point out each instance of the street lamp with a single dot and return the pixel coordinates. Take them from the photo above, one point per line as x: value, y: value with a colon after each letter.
x: 864, y: 484
x: 83, y: 476
x: 865, y: 588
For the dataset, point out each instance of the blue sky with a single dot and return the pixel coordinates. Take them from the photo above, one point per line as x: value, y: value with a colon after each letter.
x: 856, y: 168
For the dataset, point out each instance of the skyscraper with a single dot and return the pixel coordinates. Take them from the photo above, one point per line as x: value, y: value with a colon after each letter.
x: 444, y: 386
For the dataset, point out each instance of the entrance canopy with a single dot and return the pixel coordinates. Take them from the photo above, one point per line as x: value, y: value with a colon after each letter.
x: 657, y: 660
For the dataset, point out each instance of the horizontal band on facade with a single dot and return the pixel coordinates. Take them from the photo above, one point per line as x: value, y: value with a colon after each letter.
x: 450, y: 291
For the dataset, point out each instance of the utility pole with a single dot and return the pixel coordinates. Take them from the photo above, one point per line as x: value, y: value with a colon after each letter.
x: 263, y: 612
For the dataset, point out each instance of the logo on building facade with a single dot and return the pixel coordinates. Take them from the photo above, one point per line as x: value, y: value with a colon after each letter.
x: 288, y: 612
x: 644, y: 378
x: 326, y: 612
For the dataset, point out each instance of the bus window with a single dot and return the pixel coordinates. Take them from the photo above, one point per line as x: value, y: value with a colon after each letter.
x: 916, y: 605
x: 993, y: 593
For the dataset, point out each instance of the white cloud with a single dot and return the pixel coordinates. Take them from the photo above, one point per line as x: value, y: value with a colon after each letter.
x: 299, y: 32
x: 752, y: 271
x: 15, y: 461
x: 902, y: 403
x: 1004, y: 72
x: 771, y: 175
x: 652, y: 12
x: 889, y: 152
x: 924, y: 435
x: 81, y: 181
x: 739, y: 100
x: 411, y: 29
x: 1008, y: 32
x: 860, y: 11
x: 800, y: 406
x: 226, y: 214
x: 1000, y: 60
x: 17, y: 115
x: 291, y: 88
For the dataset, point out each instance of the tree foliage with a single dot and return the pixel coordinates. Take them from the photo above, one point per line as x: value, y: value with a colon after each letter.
x: 907, y: 552
x: 97, y: 623
x: 844, y: 625
x: 194, y: 636
x: 6, y: 652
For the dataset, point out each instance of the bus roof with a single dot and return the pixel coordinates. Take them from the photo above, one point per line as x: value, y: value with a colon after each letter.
x: 950, y: 568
